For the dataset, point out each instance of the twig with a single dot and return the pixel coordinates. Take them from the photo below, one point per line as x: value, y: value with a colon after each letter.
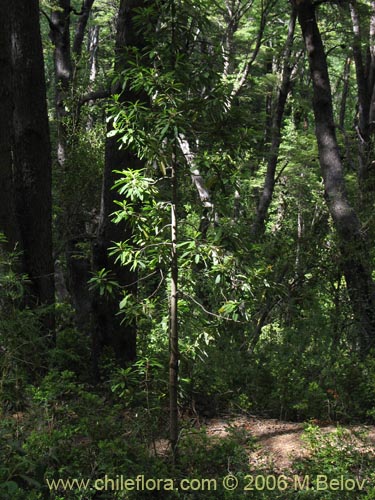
x: 209, y: 312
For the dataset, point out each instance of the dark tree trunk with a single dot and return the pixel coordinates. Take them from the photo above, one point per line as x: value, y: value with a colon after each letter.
x: 110, y: 331
x: 71, y: 226
x: 81, y: 27
x: 8, y: 222
x: 269, y: 183
x: 32, y: 151
x: 371, y: 68
x: 355, y: 257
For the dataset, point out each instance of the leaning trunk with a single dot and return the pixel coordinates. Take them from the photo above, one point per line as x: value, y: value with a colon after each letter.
x: 269, y: 183
x: 354, y: 253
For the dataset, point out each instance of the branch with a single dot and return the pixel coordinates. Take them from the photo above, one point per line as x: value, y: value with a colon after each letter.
x: 241, y: 79
x: 94, y: 96
x: 242, y: 10
x: 209, y: 312
x: 49, y: 20
x: 81, y: 25
x: 281, y: 171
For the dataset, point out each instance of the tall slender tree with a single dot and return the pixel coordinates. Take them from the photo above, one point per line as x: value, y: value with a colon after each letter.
x: 71, y: 223
x: 354, y: 252
x: 276, y: 130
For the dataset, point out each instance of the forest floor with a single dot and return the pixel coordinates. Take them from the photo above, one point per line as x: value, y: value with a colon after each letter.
x: 280, y: 443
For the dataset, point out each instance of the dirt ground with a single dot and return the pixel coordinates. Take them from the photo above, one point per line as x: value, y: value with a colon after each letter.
x: 279, y: 443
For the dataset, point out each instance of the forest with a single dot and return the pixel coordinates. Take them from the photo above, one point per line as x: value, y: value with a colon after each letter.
x: 187, y: 228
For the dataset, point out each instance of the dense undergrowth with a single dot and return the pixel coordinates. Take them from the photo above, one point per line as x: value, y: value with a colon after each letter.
x: 57, y: 425
x: 66, y: 429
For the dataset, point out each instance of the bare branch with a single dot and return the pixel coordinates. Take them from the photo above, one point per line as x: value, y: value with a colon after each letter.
x: 49, y: 20
x: 210, y: 313
x: 94, y: 96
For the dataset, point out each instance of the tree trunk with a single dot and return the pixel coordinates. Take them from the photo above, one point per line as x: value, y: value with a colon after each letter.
x: 8, y: 222
x: 345, y: 92
x: 71, y: 225
x: 110, y: 330
x: 92, y: 48
x: 81, y: 27
x: 208, y: 209
x: 365, y: 89
x: 32, y: 152
x: 354, y: 253
x: 269, y: 183
x: 173, y: 329
x: 371, y: 68
x: 60, y: 36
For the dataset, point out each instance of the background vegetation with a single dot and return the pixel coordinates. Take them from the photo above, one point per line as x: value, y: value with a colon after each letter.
x: 174, y: 229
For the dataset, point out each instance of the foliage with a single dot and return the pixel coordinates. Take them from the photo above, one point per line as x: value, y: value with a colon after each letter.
x: 339, y: 453
x: 22, y: 349
x: 266, y: 322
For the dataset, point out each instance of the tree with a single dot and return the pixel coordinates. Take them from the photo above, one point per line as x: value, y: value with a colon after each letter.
x: 365, y: 74
x: 30, y: 183
x: 352, y: 243
x: 60, y: 37
x: 71, y: 221
x: 8, y: 218
x: 111, y: 330
x: 276, y: 129
x: 65, y: 58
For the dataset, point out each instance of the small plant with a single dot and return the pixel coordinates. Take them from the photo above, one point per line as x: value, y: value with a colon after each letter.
x: 338, y: 454
x: 103, y: 283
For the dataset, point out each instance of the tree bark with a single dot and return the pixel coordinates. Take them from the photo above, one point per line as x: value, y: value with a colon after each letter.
x: 208, y: 209
x: 345, y: 92
x: 72, y: 222
x: 371, y: 67
x: 32, y: 152
x: 354, y: 253
x: 81, y: 26
x: 365, y: 123
x: 110, y: 331
x: 60, y: 37
x: 8, y: 222
x: 92, y: 48
x: 173, y: 329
